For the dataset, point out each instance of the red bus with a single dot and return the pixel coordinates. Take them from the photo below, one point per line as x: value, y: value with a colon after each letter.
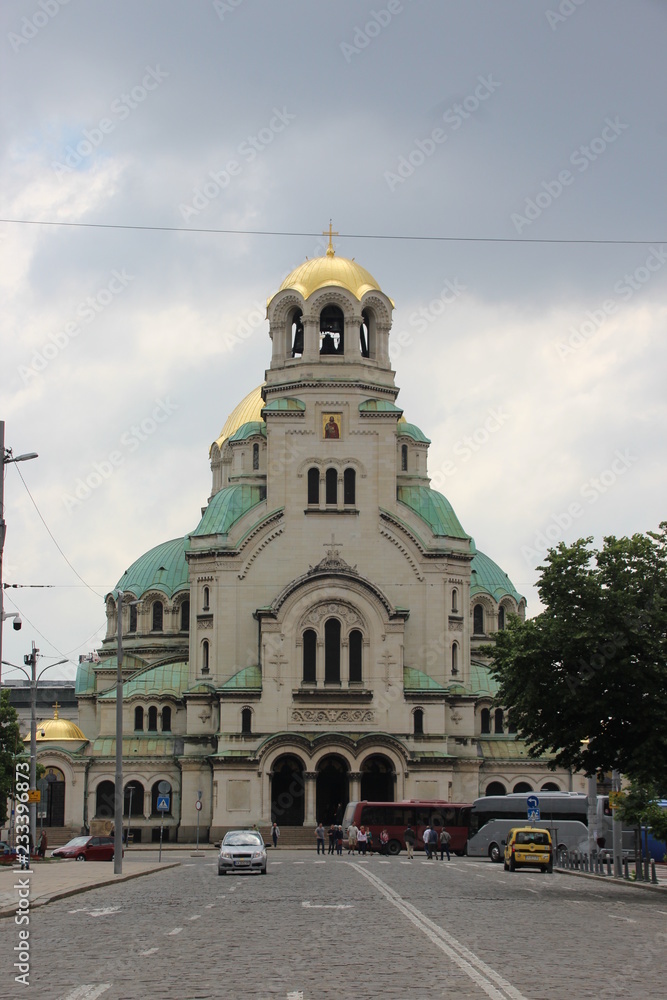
x: 419, y: 813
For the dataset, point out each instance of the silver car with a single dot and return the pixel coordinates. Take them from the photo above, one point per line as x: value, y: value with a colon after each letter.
x: 242, y: 851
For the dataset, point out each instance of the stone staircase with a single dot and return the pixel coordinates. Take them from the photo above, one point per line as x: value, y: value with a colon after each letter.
x: 59, y: 835
x: 290, y: 836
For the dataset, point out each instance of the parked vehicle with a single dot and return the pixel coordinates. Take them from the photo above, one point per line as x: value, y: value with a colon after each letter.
x: 242, y: 850
x: 528, y: 847
x: 419, y: 813
x: 87, y: 849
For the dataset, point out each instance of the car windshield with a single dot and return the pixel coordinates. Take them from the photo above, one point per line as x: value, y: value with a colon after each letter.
x: 532, y: 838
x: 242, y: 840
x: 78, y: 842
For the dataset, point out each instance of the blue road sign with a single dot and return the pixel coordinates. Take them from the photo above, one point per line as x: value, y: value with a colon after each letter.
x: 533, y: 807
x: 163, y: 803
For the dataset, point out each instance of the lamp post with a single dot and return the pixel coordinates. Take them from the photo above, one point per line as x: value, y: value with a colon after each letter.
x: 31, y: 661
x: 6, y: 458
x: 118, y: 792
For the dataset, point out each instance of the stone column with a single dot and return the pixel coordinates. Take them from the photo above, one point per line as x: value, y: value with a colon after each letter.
x: 309, y: 797
x: 354, y: 778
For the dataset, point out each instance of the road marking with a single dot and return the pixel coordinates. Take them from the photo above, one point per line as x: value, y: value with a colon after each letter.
x: 176, y: 930
x: 316, y: 862
x: 300, y: 862
x: 104, y: 912
x: 329, y: 906
x: 493, y: 984
x: 628, y: 920
x: 89, y: 992
x: 149, y: 951
x: 385, y: 862
x: 526, y: 889
x: 275, y: 862
x: 209, y: 906
x: 664, y: 912
x: 405, y: 862
x: 197, y: 916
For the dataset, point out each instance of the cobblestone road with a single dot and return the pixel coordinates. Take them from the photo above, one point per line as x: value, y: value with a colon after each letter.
x: 319, y: 928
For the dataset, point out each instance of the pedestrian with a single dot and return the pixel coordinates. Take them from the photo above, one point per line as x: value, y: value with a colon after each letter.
x: 445, y: 838
x: 275, y: 833
x: 369, y: 840
x: 41, y: 847
x: 319, y: 835
x: 433, y: 843
x: 332, y: 838
x: 427, y: 841
x: 352, y: 832
x: 384, y: 842
x: 409, y: 837
x: 339, y: 840
x: 362, y: 840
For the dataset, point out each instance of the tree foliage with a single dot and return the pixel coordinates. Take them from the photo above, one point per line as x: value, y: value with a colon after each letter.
x: 10, y: 747
x: 586, y: 679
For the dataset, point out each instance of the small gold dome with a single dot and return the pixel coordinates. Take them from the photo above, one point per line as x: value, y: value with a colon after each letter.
x: 57, y: 729
x: 330, y: 270
x: 250, y: 408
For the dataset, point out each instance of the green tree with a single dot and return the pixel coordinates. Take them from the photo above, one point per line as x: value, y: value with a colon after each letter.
x: 10, y: 747
x: 586, y: 680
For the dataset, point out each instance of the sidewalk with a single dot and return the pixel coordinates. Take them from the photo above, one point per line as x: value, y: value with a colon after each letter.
x: 58, y: 879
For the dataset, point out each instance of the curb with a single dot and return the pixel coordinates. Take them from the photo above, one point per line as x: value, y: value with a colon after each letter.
x: 612, y: 880
x: 64, y: 893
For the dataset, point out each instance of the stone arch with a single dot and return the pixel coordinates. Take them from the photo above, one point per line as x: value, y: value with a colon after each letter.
x: 495, y: 788
x: 105, y: 797
x: 523, y: 786
x: 378, y: 775
x: 332, y: 787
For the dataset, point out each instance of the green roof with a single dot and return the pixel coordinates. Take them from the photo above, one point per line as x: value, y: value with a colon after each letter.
x: 487, y: 577
x: 285, y: 403
x: 412, y: 431
x: 226, y: 507
x: 507, y: 748
x: 432, y: 508
x: 417, y: 680
x: 250, y: 429
x: 85, y: 678
x: 482, y: 681
x: 135, y: 746
x: 162, y: 568
x: 378, y: 406
x: 248, y: 679
x: 168, y: 678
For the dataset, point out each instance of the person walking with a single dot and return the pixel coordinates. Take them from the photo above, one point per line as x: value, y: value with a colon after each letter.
x: 427, y: 841
x: 369, y: 840
x: 352, y: 832
x: 384, y: 842
x: 433, y: 843
x: 275, y: 833
x: 332, y: 838
x: 319, y: 835
x: 42, y: 845
x: 339, y: 840
x: 409, y: 837
x: 445, y: 838
x: 362, y: 840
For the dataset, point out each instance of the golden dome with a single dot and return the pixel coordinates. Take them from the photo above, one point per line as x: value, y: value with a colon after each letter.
x: 330, y: 270
x: 57, y: 729
x: 250, y: 408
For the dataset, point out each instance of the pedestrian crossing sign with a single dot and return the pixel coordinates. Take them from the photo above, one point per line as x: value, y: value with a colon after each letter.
x: 163, y: 803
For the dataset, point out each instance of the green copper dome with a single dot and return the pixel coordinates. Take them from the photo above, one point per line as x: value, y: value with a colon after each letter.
x: 487, y: 577
x: 226, y: 507
x: 162, y: 568
x: 432, y: 508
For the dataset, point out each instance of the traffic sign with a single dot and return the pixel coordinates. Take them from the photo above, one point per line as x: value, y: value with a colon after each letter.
x: 198, y: 805
x: 533, y: 807
x: 34, y: 795
x: 163, y: 803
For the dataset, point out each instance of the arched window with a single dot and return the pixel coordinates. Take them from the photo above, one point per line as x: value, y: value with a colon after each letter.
x: 255, y: 456
x: 486, y: 720
x: 478, y: 619
x: 139, y: 719
x: 158, y: 616
x: 501, y: 617
x: 332, y: 327
x: 365, y: 334
x: 349, y: 484
x: 455, y: 658
x: 496, y: 788
x: 246, y: 721
x: 418, y: 717
x: 331, y: 484
x: 105, y: 800
x: 133, y: 799
x: 166, y: 720
x: 204, y: 656
x: 498, y: 721
x: 309, y: 656
x: 522, y: 786
x: 207, y: 595
x: 297, y: 334
x: 455, y: 601
x: 152, y: 719
x: 550, y: 786
x: 313, y: 486
x: 133, y: 618
x: 185, y: 616
x: 332, y: 651
x: 404, y: 458
x: 355, y: 646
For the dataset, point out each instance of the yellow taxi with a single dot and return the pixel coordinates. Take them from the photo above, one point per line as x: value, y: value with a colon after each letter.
x: 528, y: 847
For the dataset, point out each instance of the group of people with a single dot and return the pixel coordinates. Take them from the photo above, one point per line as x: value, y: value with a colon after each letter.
x: 334, y: 835
x: 432, y: 839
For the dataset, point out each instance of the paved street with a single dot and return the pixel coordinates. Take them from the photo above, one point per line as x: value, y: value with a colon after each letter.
x: 340, y: 927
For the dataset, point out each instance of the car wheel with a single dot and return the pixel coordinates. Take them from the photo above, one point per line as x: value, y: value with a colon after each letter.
x: 81, y: 857
x: 550, y: 868
x: 220, y: 872
x: 494, y: 852
x: 512, y: 865
x: 393, y: 848
x: 262, y: 871
x: 506, y: 866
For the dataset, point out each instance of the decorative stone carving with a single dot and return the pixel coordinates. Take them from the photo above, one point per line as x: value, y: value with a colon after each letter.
x: 342, y: 611
x: 332, y: 716
x: 205, y: 623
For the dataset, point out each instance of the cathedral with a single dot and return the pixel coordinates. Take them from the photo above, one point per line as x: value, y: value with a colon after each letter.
x: 317, y: 637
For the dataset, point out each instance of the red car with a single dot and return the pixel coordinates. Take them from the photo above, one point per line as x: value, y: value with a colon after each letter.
x: 87, y: 849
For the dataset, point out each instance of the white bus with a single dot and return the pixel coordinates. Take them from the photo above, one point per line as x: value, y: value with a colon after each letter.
x: 564, y: 814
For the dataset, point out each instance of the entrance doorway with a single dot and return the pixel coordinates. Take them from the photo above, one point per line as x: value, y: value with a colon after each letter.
x: 332, y: 791
x: 54, y: 814
x: 287, y: 788
x: 377, y: 779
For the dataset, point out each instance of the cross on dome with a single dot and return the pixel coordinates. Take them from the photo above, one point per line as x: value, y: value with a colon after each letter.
x: 332, y: 232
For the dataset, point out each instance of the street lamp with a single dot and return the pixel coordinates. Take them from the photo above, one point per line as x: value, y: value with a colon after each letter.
x: 6, y: 458
x: 31, y: 661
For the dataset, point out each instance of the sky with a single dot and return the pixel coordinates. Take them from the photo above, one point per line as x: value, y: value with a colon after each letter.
x: 499, y: 168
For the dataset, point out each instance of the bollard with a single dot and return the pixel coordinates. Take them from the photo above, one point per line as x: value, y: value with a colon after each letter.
x: 626, y: 870
x: 608, y: 866
x: 654, y: 874
x: 647, y: 877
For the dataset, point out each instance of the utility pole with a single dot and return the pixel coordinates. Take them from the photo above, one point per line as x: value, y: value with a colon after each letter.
x: 31, y: 661
x: 118, y: 795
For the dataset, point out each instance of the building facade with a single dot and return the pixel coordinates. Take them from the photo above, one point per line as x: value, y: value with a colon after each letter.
x: 318, y: 637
